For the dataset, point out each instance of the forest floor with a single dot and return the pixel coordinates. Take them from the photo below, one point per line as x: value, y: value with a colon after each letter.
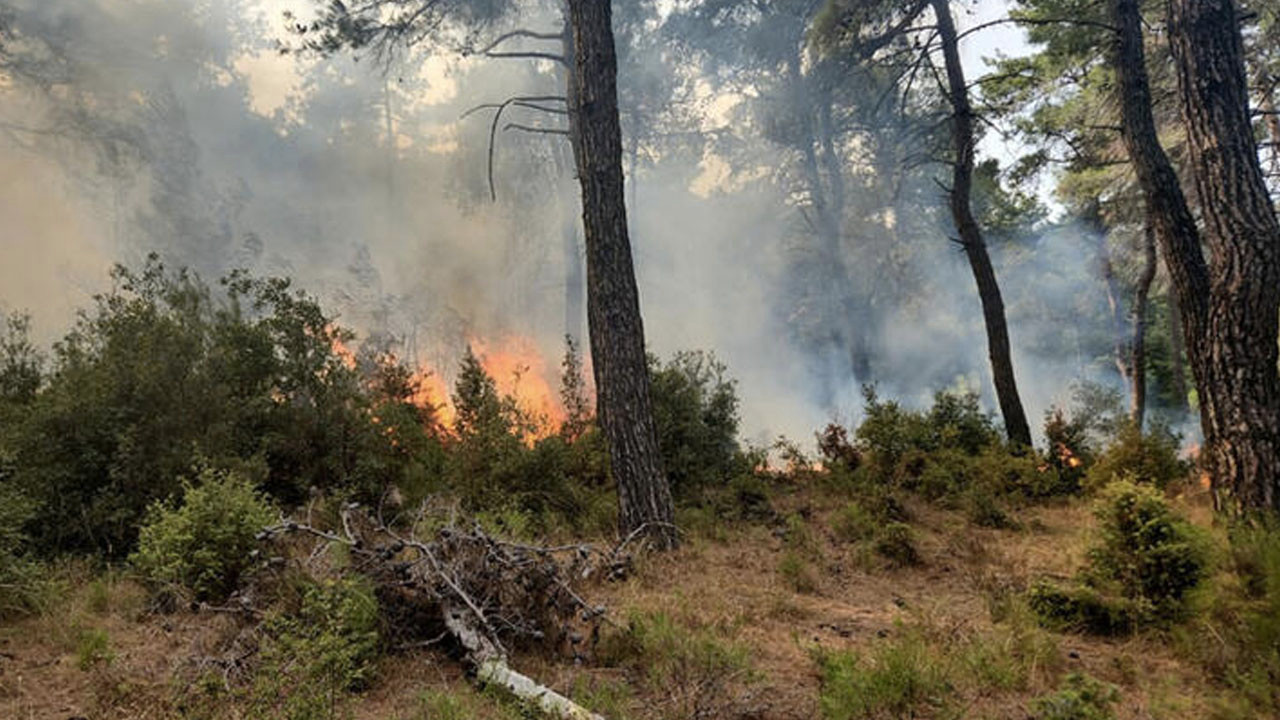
x: 746, y: 630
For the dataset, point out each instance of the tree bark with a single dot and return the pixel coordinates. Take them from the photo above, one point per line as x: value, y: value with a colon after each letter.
x: 1177, y: 368
x: 1121, y: 347
x: 1242, y: 396
x: 1167, y: 209
x: 975, y: 248
x: 1138, y: 359
x: 618, y: 361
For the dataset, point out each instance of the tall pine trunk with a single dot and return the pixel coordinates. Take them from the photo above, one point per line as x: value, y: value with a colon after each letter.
x: 975, y: 248
x: 1242, y: 397
x: 624, y: 407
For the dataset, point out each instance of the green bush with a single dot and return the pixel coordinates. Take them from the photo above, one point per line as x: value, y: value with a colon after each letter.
x: 695, y: 406
x: 1148, y: 458
x: 23, y: 585
x: 888, y: 431
x: 1245, y: 618
x: 204, y: 543
x: 93, y: 648
x: 797, y: 572
x: 1080, y: 609
x: 162, y: 371
x: 896, y: 542
x: 983, y: 510
x: 1153, y: 557
x: 894, y: 680
x: 311, y: 658
x: 1080, y: 698
x: 854, y: 522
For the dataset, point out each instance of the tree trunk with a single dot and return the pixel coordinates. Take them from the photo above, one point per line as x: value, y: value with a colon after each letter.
x: 1177, y: 370
x: 975, y: 248
x: 1138, y: 360
x: 1167, y: 209
x: 1121, y: 347
x: 624, y: 407
x: 1242, y: 396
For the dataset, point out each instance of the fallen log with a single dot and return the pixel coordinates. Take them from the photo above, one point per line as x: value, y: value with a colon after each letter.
x: 477, y: 589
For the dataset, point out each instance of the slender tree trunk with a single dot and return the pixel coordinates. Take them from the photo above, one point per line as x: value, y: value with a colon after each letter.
x: 1242, y: 397
x: 1167, y: 209
x: 1015, y: 419
x: 1138, y: 360
x: 1120, y: 342
x: 618, y: 357
x: 1177, y: 369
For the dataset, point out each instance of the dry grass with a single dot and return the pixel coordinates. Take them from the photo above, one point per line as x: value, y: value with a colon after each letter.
x: 728, y: 589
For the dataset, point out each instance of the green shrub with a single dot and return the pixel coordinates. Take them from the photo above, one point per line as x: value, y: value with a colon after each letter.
x: 958, y: 422
x: 93, y: 648
x: 983, y: 510
x: 1148, y: 458
x: 888, y: 431
x: 311, y: 658
x: 24, y: 587
x: 1151, y: 555
x: 1080, y: 698
x: 854, y: 522
x: 894, y: 680
x: 896, y: 542
x: 695, y: 406
x: 204, y: 543
x: 1245, y: 619
x: 1080, y: 609
x: 797, y: 572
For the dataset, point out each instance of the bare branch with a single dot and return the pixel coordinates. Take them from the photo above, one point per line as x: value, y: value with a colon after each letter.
x: 536, y: 130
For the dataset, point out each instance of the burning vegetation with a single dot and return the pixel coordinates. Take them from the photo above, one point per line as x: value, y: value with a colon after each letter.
x: 218, y: 502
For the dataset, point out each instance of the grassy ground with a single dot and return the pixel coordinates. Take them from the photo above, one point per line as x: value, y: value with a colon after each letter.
x: 752, y: 621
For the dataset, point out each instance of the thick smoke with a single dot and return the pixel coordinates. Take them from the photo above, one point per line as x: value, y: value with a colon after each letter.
x: 172, y: 126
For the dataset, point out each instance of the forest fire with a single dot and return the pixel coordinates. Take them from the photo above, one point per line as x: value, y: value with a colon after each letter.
x: 519, y: 371
x: 1067, y: 457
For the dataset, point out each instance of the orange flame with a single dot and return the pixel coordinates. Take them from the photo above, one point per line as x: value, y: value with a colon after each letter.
x: 519, y: 370
x: 432, y: 393
x: 1067, y: 457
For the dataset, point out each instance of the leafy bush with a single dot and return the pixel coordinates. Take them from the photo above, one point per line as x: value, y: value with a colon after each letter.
x: 204, y: 543
x: 1154, y: 557
x: 23, y: 586
x: 695, y: 406
x: 162, y: 371
x: 1080, y: 698
x: 1141, y: 570
x: 983, y: 510
x: 896, y: 542
x: 309, y: 659
x: 1080, y: 609
x: 888, y: 431
x: 1150, y: 458
x: 854, y: 522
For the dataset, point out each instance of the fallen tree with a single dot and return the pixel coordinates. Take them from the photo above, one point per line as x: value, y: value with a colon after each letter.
x: 463, y: 589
